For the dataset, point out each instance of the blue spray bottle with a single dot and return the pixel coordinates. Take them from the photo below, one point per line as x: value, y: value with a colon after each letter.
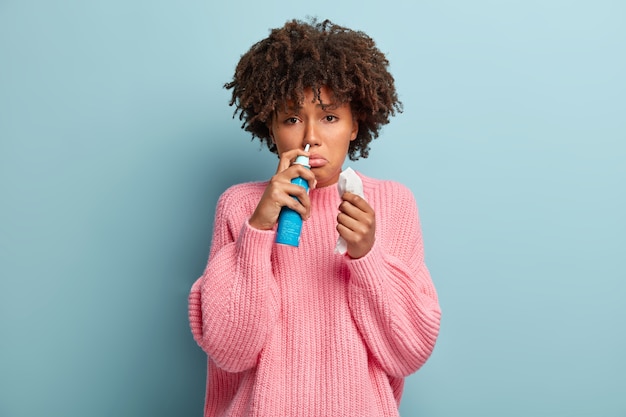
x: 289, y: 221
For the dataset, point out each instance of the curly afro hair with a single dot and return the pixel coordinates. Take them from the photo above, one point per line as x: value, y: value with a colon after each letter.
x: 302, y: 55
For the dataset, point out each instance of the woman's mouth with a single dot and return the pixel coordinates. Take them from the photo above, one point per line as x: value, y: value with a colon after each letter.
x: 316, y: 161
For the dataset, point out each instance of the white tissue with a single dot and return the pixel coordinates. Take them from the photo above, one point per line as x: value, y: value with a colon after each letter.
x: 350, y: 182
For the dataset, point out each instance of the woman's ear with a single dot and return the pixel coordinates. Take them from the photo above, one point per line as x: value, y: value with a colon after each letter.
x: 355, y: 129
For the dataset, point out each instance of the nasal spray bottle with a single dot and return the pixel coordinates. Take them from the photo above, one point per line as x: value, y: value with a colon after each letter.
x: 289, y: 220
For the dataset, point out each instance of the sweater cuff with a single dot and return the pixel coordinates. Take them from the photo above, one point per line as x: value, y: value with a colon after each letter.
x: 368, y: 270
x: 255, y: 243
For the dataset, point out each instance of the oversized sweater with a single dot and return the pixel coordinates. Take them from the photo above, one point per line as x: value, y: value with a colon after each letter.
x: 302, y: 331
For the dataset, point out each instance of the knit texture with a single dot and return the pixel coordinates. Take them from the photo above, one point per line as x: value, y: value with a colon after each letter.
x: 303, y: 331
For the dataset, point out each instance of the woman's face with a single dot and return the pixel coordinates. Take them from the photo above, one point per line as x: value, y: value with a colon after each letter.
x: 328, y: 130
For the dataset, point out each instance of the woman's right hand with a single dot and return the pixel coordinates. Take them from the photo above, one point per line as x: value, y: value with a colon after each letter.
x: 279, y: 192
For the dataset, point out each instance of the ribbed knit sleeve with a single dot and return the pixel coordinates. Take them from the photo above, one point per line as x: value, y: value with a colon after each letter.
x: 235, y: 303
x: 391, y: 295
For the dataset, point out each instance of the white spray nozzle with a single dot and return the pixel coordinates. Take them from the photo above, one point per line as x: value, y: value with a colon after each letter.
x: 301, y: 159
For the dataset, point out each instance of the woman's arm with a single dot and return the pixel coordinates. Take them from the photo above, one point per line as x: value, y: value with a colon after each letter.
x: 391, y: 295
x: 234, y: 304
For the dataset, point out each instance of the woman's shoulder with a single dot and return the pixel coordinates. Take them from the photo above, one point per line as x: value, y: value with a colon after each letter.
x: 393, y: 202
x: 389, y: 197
x: 246, y: 187
x: 237, y: 195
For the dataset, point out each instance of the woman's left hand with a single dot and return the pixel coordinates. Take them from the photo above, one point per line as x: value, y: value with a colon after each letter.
x: 356, y: 223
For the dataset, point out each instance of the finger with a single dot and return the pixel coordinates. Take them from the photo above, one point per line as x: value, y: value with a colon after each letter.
x: 358, y: 244
x: 296, y: 171
x: 361, y: 226
x: 357, y: 201
x: 296, y: 198
x: 287, y: 158
x: 345, y: 233
x: 354, y: 212
x: 281, y: 192
x: 348, y: 222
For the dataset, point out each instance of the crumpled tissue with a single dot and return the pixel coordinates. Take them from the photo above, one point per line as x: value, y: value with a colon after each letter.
x: 350, y: 182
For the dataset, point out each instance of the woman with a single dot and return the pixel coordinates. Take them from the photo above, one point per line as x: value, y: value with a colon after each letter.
x: 304, y: 331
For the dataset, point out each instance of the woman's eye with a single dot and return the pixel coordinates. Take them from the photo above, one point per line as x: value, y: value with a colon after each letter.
x: 291, y: 120
x: 331, y: 118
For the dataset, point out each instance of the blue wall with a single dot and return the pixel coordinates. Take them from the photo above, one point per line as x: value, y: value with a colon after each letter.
x: 116, y: 140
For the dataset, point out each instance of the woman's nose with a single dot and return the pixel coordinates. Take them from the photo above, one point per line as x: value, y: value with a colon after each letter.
x: 311, y: 135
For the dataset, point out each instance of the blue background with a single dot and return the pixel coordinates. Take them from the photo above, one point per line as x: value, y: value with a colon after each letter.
x: 116, y: 140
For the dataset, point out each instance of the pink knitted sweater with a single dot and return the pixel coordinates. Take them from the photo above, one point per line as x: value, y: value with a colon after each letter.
x: 304, y: 331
